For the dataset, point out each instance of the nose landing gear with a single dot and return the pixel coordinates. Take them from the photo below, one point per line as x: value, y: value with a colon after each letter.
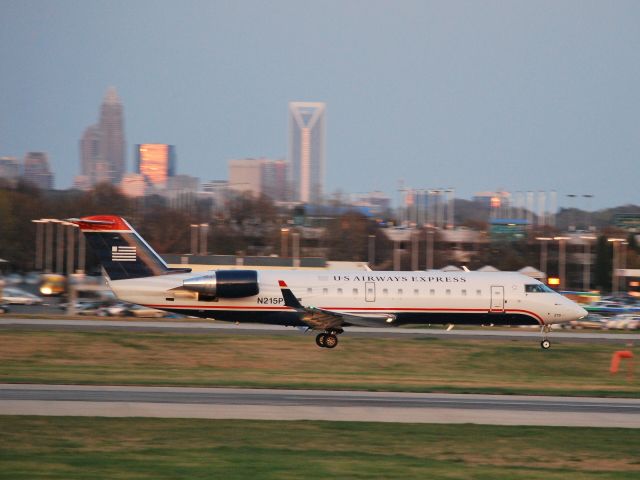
x: 545, y: 343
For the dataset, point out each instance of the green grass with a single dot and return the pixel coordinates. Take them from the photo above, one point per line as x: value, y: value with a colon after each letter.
x: 133, y: 448
x: 426, y: 364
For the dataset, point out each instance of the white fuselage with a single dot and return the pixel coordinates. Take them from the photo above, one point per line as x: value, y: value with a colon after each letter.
x: 411, y: 297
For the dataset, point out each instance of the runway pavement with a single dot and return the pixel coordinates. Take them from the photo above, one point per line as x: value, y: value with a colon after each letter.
x: 221, y: 328
x: 270, y: 404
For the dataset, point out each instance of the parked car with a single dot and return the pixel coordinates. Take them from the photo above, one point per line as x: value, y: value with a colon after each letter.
x: 17, y: 296
x: 624, y: 321
x: 592, y: 321
x: 115, y: 310
x: 13, y: 279
x: 4, y: 308
x: 144, y: 312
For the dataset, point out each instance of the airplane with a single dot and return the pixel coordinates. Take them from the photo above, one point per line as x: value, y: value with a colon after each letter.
x: 325, y: 301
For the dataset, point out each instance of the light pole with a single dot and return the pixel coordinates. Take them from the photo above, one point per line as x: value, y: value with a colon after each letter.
x: 414, y: 250
x: 372, y: 250
x: 71, y: 231
x: 543, y: 253
x: 396, y: 256
x: 39, y: 260
x: 194, y: 238
x: 616, y: 263
x: 430, y: 232
x: 48, y: 248
x: 204, y: 237
x: 284, y: 234
x: 450, y: 207
x: 586, y: 271
x: 59, y: 246
x: 295, y: 238
x: 82, y: 253
x: 562, y: 261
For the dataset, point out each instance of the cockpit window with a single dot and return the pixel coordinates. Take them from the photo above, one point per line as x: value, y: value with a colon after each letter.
x: 537, y: 288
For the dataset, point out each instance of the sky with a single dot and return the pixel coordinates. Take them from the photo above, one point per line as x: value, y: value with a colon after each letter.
x: 471, y: 95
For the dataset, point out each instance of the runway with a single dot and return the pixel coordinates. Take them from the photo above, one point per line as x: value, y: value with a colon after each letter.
x: 221, y: 328
x: 271, y: 404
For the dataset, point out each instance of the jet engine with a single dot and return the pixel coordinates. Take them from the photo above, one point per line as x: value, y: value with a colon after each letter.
x: 225, y: 284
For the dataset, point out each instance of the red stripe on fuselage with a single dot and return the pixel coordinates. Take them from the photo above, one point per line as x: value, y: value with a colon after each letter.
x: 347, y: 309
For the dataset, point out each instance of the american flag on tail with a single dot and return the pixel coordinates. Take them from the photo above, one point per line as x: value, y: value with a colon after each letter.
x: 123, y: 254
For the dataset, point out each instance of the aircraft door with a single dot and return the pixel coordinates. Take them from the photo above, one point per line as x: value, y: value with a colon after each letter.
x: 370, y: 291
x: 497, y: 299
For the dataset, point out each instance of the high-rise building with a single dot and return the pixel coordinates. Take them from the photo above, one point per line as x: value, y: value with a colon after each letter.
x: 275, y: 179
x: 156, y: 161
x: 260, y: 176
x: 307, y: 150
x: 133, y: 185
x: 102, y: 146
x: 37, y: 171
x: 9, y: 169
x: 112, y: 142
x: 245, y: 175
x: 90, y: 165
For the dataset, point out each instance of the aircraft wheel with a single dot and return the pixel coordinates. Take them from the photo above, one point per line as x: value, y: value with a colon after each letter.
x: 545, y: 344
x: 330, y: 341
x: 321, y: 339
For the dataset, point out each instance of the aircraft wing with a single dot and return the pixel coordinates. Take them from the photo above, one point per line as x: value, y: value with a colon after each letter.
x: 323, y: 319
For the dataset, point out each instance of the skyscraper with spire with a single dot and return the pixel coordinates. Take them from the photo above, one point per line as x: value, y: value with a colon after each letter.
x: 102, y: 146
x: 306, y: 150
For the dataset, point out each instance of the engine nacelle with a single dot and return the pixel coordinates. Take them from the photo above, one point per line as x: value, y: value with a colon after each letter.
x: 225, y: 284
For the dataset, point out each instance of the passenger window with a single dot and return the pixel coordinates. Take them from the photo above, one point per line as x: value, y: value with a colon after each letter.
x: 385, y: 291
x: 355, y: 291
x: 339, y: 291
x: 325, y: 291
x: 478, y: 292
x: 464, y: 293
x: 416, y: 292
x: 432, y: 292
x: 309, y: 290
x: 448, y: 292
x: 399, y: 291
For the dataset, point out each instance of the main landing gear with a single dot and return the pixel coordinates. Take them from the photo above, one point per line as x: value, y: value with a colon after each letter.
x: 328, y: 339
x: 545, y: 343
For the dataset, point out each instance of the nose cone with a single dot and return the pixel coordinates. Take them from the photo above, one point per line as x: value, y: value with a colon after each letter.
x: 579, y: 312
x: 573, y: 311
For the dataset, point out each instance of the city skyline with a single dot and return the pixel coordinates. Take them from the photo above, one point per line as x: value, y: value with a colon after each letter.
x: 517, y: 96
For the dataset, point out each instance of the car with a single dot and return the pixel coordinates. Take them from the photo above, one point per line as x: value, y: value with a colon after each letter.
x: 16, y: 296
x: 32, y: 278
x: 4, y: 308
x: 116, y: 309
x: 91, y: 308
x: 13, y: 279
x: 592, y: 321
x: 143, y: 312
x: 624, y: 321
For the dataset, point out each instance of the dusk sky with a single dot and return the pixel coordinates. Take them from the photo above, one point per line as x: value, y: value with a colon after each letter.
x: 477, y: 95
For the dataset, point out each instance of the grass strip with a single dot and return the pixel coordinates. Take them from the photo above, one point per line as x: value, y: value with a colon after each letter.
x: 135, y: 448
x: 419, y: 365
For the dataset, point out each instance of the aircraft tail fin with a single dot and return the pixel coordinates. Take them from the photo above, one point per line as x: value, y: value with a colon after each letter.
x: 122, y: 252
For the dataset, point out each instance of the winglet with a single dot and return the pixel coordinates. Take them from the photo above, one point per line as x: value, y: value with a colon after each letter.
x: 290, y: 299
